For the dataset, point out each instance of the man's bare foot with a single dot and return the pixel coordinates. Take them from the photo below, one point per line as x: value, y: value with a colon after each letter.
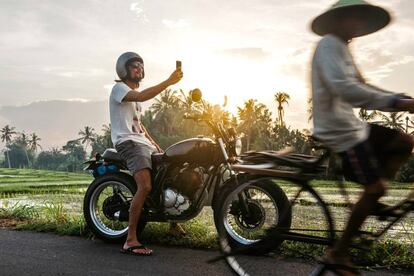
x: 339, y: 263
x: 176, y: 230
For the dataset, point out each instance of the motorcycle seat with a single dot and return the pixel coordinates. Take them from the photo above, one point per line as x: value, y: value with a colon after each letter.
x: 112, y: 155
x: 157, y: 157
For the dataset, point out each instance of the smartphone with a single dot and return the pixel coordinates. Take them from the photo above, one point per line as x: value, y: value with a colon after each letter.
x: 178, y: 64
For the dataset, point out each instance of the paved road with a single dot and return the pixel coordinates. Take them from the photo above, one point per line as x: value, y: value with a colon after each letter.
x: 28, y: 253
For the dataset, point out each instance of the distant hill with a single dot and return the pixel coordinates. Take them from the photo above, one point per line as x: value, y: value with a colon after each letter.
x: 56, y: 122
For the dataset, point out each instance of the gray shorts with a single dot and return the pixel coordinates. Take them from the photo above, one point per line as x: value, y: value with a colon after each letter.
x: 136, y: 155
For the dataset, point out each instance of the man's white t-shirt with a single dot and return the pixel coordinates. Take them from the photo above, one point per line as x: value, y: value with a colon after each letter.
x: 125, y: 117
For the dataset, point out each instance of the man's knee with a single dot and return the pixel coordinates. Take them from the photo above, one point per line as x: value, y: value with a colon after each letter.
x: 143, y: 180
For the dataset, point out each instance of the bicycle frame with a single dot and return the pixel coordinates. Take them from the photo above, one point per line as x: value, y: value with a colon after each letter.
x: 302, y: 177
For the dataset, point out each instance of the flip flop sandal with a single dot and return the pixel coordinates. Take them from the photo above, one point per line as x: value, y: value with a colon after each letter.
x: 130, y: 250
x: 335, y: 268
x: 338, y: 269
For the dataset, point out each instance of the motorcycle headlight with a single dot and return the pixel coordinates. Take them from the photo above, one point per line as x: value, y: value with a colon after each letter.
x: 238, y: 146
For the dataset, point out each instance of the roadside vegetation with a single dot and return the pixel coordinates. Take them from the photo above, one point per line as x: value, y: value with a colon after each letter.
x: 42, y: 190
x: 49, y: 201
x: 259, y: 127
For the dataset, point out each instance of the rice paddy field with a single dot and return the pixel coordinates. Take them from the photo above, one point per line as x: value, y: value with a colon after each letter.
x: 37, y: 188
x: 52, y: 201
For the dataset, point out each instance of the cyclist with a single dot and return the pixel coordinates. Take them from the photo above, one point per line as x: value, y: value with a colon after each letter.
x: 371, y: 154
x: 130, y: 137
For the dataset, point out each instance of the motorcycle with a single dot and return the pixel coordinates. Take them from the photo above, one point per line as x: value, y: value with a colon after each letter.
x: 188, y: 176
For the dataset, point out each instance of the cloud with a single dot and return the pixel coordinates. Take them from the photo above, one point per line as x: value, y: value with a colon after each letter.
x: 250, y: 53
x: 4, y: 121
x: 175, y: 24
x: 389, y: 68
x: 74, y: 73
x: 406, y: 9
x: 380, y: 59
x: 137, y: 8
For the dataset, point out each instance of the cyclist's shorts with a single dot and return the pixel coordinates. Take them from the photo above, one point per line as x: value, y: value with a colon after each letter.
x: 367, y: 162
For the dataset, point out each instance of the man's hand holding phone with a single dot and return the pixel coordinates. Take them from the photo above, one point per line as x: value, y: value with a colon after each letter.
x: 177, y: 75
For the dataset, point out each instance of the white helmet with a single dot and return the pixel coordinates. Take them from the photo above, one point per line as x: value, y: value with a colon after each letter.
x: 123, y: 61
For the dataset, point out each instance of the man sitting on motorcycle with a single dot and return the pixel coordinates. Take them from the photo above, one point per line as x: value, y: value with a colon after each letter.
x: 131, y: 139
x: 371, y: 154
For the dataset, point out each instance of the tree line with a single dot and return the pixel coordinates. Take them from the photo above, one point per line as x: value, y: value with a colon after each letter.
x: 164, y: 120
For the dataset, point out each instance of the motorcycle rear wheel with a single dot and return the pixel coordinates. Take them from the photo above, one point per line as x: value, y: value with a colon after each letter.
x: 100, y: 221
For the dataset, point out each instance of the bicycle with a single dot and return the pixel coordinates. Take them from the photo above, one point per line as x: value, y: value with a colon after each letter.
x: 312, y: 220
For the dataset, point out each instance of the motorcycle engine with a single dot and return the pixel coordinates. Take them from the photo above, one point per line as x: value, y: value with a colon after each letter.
x: 184, y: 187
x: 174, y: 202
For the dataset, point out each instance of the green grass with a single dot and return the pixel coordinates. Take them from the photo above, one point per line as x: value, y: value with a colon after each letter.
x: 18, y: 212
x: 28, y: 181
x: 52, y: 202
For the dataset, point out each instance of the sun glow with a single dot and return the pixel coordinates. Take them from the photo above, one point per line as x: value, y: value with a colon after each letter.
x: 240, y: 79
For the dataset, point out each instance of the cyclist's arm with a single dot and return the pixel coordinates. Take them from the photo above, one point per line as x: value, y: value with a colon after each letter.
x: 333, y: 69
x: 405, y: 105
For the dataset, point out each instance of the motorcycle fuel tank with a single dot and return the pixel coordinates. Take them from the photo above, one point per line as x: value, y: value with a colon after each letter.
x: 201, y: 151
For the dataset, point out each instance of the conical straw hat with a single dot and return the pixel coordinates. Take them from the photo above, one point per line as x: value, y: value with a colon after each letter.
x: 376, y: 17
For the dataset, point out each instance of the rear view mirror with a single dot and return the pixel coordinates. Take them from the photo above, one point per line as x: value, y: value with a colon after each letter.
x: 196, y: 95
x: 225, y: 101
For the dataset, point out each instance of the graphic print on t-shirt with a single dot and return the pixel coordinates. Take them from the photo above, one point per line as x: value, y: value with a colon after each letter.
x: 136, y: 127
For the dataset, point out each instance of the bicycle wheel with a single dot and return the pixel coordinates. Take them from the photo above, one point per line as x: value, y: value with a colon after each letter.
x: 310, y: 232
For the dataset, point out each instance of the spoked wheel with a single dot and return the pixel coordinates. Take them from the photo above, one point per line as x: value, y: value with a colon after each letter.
x: 106, y: 206
x: 252, y: 211
x: 311, y: 223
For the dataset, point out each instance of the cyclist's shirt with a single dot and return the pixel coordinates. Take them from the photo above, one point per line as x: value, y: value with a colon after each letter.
x: 338, y: 88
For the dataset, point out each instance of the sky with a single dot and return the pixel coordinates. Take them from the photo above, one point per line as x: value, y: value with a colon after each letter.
x: 66, y: 50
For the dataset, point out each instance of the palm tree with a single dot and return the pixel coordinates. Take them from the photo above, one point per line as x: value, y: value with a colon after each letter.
x: 165, y: 101
x: 247, y: 119
x: 186, y: 101
x: 107, y: 135
x: 164, y: 109
x: 33, y: 142
x: 251, y: 117
x: 394, y: 120
x: 6, y: 135
x: 409, y: 124
x: 87, y: 136
x: 281, y: 98
x: 23, y: 142
x: 368, y: 116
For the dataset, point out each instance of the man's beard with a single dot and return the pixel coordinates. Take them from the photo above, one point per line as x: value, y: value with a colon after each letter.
x: 136, y: 79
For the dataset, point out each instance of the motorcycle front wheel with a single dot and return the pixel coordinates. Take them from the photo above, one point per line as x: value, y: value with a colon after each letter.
x: 245, y: 217
x: 106, y: 200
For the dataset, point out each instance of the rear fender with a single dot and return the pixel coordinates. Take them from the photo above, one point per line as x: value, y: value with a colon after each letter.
x: 101, y: 168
